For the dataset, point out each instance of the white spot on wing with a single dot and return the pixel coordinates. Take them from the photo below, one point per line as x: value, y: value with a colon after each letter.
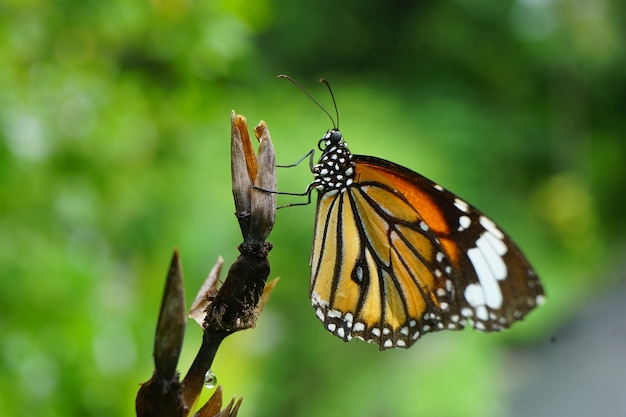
x: 317, y: 300
x: 494, y: 260
x: 481, y: 313
x: 465, y: 311
x: 464, y: 223
x: 474, y: 296
x: 461, y: 205
x: 333, y: 313
x: 489, y: 287
x: 497, y: 244
x: 491, y: 226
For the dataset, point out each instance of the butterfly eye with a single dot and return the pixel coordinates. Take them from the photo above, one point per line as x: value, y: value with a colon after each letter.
x: 331, y: 138
x: 335, y: 137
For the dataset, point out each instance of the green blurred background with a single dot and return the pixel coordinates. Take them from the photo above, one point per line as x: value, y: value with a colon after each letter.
x: 114, y: 149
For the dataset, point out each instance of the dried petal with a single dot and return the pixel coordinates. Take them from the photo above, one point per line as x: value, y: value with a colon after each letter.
x: 263, y: 202
x: 206, y: 293
x: 243, y: 166
x: 267, y: 292
x: 213, y: 405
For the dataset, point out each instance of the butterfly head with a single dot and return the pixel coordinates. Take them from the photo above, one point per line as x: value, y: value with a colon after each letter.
x: 333, y: 137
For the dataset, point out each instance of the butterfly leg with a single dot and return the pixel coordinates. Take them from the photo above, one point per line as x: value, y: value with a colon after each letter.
x: 306, y: 192
x: 309, y: 155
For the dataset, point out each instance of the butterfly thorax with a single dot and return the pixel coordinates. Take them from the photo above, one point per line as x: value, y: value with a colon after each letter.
x: 335, y: 170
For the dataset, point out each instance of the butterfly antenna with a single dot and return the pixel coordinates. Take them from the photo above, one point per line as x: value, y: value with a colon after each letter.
x: 332, y: 95
x: 297, y: 84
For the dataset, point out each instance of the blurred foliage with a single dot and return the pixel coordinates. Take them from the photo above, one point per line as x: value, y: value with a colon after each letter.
x: 115, y: 121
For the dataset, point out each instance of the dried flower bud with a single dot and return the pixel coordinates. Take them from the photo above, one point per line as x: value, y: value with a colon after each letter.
x: 255, y: 208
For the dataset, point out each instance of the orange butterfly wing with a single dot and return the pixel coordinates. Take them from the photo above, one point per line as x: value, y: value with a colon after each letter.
x: 396, y: 256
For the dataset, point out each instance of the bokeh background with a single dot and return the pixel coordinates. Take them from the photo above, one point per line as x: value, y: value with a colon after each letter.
x: 114, y: 149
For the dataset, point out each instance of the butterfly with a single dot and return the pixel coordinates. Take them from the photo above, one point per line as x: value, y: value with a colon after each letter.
x: 396, y: 256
